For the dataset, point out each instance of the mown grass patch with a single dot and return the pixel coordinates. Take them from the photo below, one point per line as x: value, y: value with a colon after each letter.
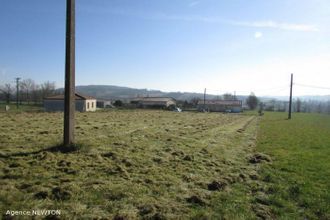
x: 298, y: 180
x: 130, y: 164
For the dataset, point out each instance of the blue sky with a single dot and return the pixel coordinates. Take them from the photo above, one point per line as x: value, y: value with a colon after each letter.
x: 172, y: 45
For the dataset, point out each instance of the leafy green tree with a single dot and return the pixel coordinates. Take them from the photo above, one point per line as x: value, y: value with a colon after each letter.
x: 252, y: 101
x: 118, y: 103
x: 228, y: 96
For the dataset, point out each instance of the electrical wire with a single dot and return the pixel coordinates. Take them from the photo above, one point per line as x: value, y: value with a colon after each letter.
x: 277, y: 91
x: 311, y: 86
x: 258, y: 90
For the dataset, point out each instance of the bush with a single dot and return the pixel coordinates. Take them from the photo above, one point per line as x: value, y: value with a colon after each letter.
x: 118, y: 103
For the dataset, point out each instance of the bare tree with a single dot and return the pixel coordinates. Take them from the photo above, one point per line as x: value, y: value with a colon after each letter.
x: 35, y: 93
x: 26, y: 88
x: 273, y: 101
x: 319, y: 108
x: 194, y: 101
x: 7, y: 90
x: 47, y: 89
x: 228, y: 96
x: 298, y: 105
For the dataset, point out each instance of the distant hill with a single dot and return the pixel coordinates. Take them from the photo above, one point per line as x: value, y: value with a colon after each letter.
x: 110, y: 92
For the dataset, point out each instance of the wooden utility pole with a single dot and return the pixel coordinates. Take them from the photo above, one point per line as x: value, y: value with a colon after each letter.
x: 204, y: 98
x: 69, y: 100
x: 290, y: 101
x: 17, y: 91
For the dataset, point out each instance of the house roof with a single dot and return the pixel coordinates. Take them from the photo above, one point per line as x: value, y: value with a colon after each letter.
x: 157, y: 99
x: 153, y: 99
x: 220, y: 102
x: 77, y: 95
x: 101, y: 100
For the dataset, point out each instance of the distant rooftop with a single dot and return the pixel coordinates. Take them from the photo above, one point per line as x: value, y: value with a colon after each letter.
x: 154, y: 99
x: 220, y: 102
x: 78, y: 97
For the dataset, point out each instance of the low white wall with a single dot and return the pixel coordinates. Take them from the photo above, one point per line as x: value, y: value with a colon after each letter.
x: 90, y: 105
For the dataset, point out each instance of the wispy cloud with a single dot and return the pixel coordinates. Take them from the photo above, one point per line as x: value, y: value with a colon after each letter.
x: 256, y: 24
x: 194, y: 3
x: 3, y: 72
x: 258, y: 34
x: 193, y: 18
x: 276, y: 25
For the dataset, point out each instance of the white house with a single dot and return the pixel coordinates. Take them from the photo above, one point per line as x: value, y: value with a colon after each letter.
x: 83, y: 103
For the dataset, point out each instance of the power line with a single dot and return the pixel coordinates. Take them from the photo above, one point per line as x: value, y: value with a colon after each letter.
x: 273, y: 88
x: 277, y: 91
x: 253, y: 90
x: 311, y: 86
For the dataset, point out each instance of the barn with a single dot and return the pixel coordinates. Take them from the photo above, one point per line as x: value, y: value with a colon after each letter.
x: 83, y: 103
x: 154, y: 102
x: 234, y: 106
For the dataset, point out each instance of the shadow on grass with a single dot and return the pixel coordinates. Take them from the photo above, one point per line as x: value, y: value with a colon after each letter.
x: 66, y: 149
x: 57, y: 148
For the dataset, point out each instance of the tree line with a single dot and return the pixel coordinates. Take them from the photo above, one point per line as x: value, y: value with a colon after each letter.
x: 298, y: 105
x: 30, y: 92
x: 251, y: 101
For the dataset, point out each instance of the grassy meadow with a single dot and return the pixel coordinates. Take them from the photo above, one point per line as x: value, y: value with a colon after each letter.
x: 298, y: 181
x: 22, y: 107
x: 150, y: 164
x: 131, y: 164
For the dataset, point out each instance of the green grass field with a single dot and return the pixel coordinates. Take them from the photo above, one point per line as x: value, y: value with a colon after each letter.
x: 141, y: 164
x: 298, y: 180
x: 24, y: 107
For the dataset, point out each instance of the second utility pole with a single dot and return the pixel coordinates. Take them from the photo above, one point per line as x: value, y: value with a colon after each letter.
x: 290, y: 101
x: 204, y: 99
x: 17, y: 91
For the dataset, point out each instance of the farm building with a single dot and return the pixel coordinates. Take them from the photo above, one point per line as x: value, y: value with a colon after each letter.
x: 220, y: 105
x: 103, y: 104
x: 83, y: 103
x: 154, y: 102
